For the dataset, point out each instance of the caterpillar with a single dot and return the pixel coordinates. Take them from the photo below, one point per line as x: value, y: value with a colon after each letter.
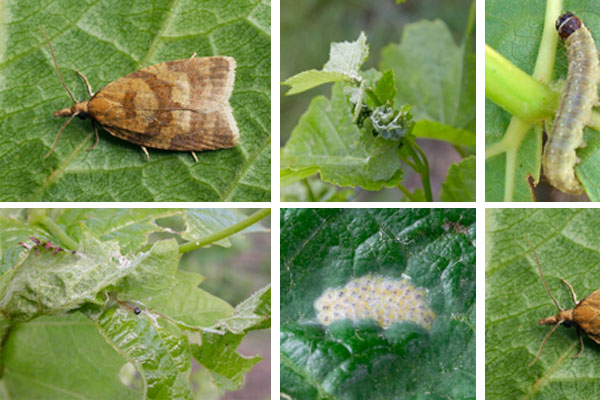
x: 579, y: 95
x: 375, y: 297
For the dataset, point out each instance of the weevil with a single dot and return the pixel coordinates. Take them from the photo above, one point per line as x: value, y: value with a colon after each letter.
x: 585, y: 316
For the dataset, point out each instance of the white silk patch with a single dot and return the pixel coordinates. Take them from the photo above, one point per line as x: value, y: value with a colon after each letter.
x: 375, y: 297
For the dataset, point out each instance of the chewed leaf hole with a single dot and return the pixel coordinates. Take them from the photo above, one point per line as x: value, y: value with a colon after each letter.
x: 375, y: 297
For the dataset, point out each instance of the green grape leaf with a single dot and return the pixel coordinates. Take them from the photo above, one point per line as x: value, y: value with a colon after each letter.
x: 50, y: 341
x: 200, y: 223
x: 189, y: 305
x: 217, y: 351
x: 385, y: 90
x: 325, y: 138
x: 225, y: 366
x: 436, y: 130
x: 252, y: 313
x: 289, y: 176
x: 460, y: 181
x: 47, y: 283
x: 566, y: 243
x: 85, y: 38
x: 141, y: 310
x: 345, y: 60
x: 307, y: 80
x: 313, y: 189
x: 14, y: 231
x: 136, y: 228
x: 326, y: 248
x: 157, y: 349
x: 437, y: 78
x: 348, y: 57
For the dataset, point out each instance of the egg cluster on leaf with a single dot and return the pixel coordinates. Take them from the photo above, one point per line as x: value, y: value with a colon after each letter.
x: 375, y: 297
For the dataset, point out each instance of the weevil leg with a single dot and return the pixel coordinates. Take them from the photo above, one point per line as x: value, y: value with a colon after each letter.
x: 571, y: 289
x: 87, y: 83
x: 146, y: 153
x: 580, y: 344
x: 96, y: 132
x: 194, y: 155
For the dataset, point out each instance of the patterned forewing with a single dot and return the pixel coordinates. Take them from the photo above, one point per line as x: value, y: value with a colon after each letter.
x: 176, y: 105
x: 587, y: 315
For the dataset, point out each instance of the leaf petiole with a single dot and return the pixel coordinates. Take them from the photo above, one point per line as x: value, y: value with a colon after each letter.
x: 252, y: 219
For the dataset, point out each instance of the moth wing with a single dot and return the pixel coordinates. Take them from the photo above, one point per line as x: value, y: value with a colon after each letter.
x: 175, y: 105
x: 587, y: 315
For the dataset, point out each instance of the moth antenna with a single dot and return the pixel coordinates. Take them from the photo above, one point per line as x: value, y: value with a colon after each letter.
x: 537, y: 260
x: 544, y: 343
x: 62, y: 128
x: 56, y: 66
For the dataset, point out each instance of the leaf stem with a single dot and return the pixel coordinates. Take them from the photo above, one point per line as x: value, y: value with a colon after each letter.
x: 421, y: 165
x: 310, y: 194
x: 359, y: 103
x: 406, y: 192
x: 515, y: 91
x: 57, y: 231
x: 252, y: 219
x: 425, y: 173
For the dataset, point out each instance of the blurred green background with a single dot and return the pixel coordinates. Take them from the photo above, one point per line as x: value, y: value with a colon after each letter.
x: 233, y: 274
x: 307, y: 29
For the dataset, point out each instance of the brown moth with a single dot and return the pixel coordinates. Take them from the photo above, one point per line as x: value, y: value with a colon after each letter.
x: 180, y: 105
x: 585, y: 316
x: 575, y: 110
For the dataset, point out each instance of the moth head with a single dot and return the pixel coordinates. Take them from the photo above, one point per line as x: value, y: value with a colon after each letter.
x: 79, y: 109
x: 566, y: 24
x: 564, y: 317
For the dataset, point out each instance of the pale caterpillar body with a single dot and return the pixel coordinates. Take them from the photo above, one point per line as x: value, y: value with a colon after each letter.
x: 574, y: 112
x: 378, y: 298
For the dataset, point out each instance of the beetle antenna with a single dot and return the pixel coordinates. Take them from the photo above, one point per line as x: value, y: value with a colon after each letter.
x: 537, y: 260
x: 56, y: 66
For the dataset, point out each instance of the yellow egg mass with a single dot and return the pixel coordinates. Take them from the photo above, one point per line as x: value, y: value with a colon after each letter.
x: 375, y: 297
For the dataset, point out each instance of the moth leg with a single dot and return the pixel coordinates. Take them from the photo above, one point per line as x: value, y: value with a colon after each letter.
x: 544, y: 343
x: 96, y: 132
x: 146, y: 153
x: 571, y: 289
x: 194, y: 155
x: 87, y: 83
x: 580, y: 344
x: 193, y: 55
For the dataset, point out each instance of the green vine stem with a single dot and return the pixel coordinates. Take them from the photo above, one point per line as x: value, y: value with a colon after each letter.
x: 309, y: 191
x: 419, y: 164
x: 515, y: 91
x: 252, y: 219
x: 359, y: 103
x: 40, y: 216
x: 406, y: 192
